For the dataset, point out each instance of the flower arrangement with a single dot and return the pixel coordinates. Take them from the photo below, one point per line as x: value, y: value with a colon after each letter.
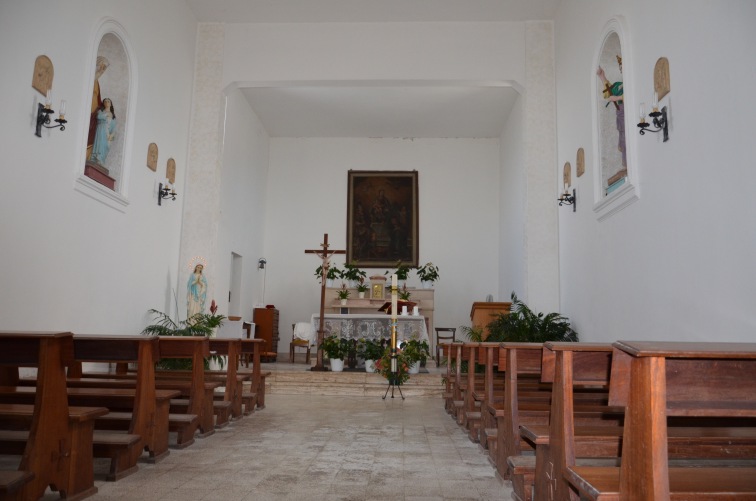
x: 403, y: 293
x: 383, y: 367
x: 416, y: 350
x: 368, y: 349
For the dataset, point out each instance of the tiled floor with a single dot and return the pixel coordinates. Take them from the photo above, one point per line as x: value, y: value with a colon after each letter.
x: 331, y: 448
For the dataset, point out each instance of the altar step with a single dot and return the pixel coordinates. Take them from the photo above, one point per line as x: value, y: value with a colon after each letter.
x: 360, y: 384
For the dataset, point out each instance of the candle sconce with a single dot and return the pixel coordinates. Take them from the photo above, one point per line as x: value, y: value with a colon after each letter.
x: 165, y: 192
x: 659, y: 121
x: 567, y: 199
x: 43, y: 118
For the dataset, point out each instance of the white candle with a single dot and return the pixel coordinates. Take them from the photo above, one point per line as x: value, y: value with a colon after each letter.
x: 48, y: 99
x: 655, y: 105
x: 642, y: 112
x: 415, y: 311
x: 393, y: 296
x: 404, y: 309
x: 62, y: 107
x: 565, y: 187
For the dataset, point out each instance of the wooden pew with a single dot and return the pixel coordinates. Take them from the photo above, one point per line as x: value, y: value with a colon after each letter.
x: 58, y: 448
x: 197, y: 412
x: 255, y: 397
x: 533, y: 406
x: 657, y: 381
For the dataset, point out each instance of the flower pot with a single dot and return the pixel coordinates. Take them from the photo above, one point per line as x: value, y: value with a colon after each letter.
x: 414, y: 368
x: 361, y: 295
x: 343, y: 302
x: 337, y: 365
x: 329, y: 282
x: 427, y: 285
x: 369, y: 365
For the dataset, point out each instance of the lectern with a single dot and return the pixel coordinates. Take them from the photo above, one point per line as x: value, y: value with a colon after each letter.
x: 483, y: 313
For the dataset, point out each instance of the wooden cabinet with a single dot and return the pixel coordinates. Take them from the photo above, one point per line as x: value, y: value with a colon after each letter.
x: 266, y: 328
x: 483, y: 314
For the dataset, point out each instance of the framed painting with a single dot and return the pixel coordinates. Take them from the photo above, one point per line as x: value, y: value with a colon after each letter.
x: 382, y: 218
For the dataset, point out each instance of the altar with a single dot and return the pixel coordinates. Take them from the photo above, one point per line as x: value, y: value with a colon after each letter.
x: 373, y: 327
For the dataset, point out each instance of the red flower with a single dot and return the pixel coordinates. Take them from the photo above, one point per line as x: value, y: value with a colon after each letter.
x: 213, y: 307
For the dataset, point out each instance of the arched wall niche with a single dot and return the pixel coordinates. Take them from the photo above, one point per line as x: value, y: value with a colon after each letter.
x: 106, y: 133
x: 616, y: 175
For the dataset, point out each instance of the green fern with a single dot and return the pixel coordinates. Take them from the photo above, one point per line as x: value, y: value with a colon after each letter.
x: 524, y: 325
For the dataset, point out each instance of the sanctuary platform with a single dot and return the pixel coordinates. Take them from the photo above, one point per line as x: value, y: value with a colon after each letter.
x: 297, y: 379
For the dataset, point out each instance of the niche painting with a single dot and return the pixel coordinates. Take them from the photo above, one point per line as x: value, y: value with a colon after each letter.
x: 107, y: 113
x: 611, y: 114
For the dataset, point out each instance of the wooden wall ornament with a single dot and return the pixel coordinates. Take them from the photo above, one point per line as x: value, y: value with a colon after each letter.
x: 170, y: 171
x: 580, y: 162
x: 661, y: 77
x: 567, y: 175
x: 152, y: 157
x: 44, y: 72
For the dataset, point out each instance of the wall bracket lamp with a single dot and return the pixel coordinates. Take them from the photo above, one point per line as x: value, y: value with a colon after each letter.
x: 43, y: 118
x: 261, y: 263
x: 659, y: 120
x: 567, y: 199
x: 165, y: 192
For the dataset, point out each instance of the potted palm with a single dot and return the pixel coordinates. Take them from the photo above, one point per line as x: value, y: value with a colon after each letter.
x: 369, y: 350
x: 428, y: 275
x: 336, y: 349
x: 524, y: 325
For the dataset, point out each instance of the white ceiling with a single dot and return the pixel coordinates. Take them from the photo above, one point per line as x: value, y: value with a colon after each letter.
x: 380, y: 109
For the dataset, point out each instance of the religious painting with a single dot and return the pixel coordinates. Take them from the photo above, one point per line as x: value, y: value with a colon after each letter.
x: 382, y: 218
x: 611, y: 114
x: 42, y: 79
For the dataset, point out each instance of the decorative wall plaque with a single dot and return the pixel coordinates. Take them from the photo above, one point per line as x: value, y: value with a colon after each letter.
x: 170, y: 171
x: 580, y: 162
x: 43, y: 74
x: 661, y: 77
x: 152, y: 157
x: 567, y: 175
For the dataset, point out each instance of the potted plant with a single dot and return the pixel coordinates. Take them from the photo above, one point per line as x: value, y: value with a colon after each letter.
x: 343, y: 294
x: 353, y: 274
x: 416, y: 352
x: 404, y: 294
x: 524, y: 325
x: 383, y: 367
x: 331, y: 274
x: 428, y: 275
x: 336, y: 349
x: 200, y: 324
x: 362, y: 288
x: 402, y: 271
x: 369, y: 350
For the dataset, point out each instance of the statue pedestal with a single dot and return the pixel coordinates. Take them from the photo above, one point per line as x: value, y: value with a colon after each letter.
x: 99, y: 174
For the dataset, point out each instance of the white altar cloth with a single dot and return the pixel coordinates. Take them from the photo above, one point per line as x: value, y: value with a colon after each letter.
x: 373, y: 327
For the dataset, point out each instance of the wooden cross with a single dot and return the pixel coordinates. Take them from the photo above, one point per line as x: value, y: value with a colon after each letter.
x: 325, y: 254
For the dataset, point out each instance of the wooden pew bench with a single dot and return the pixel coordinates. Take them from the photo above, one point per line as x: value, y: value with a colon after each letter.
x: 659, y: 382
x: 58, y: 451
x: 255, y: 397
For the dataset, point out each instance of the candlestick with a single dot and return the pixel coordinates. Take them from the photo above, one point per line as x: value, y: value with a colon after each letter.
x: 394, y: 293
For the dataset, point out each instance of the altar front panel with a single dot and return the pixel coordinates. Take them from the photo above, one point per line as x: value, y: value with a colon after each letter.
x: 373, y: 327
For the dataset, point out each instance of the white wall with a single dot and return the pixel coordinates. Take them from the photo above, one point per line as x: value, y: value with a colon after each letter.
x: 458, y: 211
x: 71, y: 262
x: 512, y: 209
x: 678, y: 263
x: 242, y: 203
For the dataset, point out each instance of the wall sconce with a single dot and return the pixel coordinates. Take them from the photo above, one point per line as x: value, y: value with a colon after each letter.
x: 43, y: 116
x: 165, y: 192
x: 659, y: 119
x: 261, y: 263
x: 567, y: 199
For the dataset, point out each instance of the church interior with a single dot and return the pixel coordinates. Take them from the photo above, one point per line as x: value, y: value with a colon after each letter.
x: 222, y: 133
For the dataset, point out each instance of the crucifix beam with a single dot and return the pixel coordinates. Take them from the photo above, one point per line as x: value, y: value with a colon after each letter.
x: 325, y: 254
